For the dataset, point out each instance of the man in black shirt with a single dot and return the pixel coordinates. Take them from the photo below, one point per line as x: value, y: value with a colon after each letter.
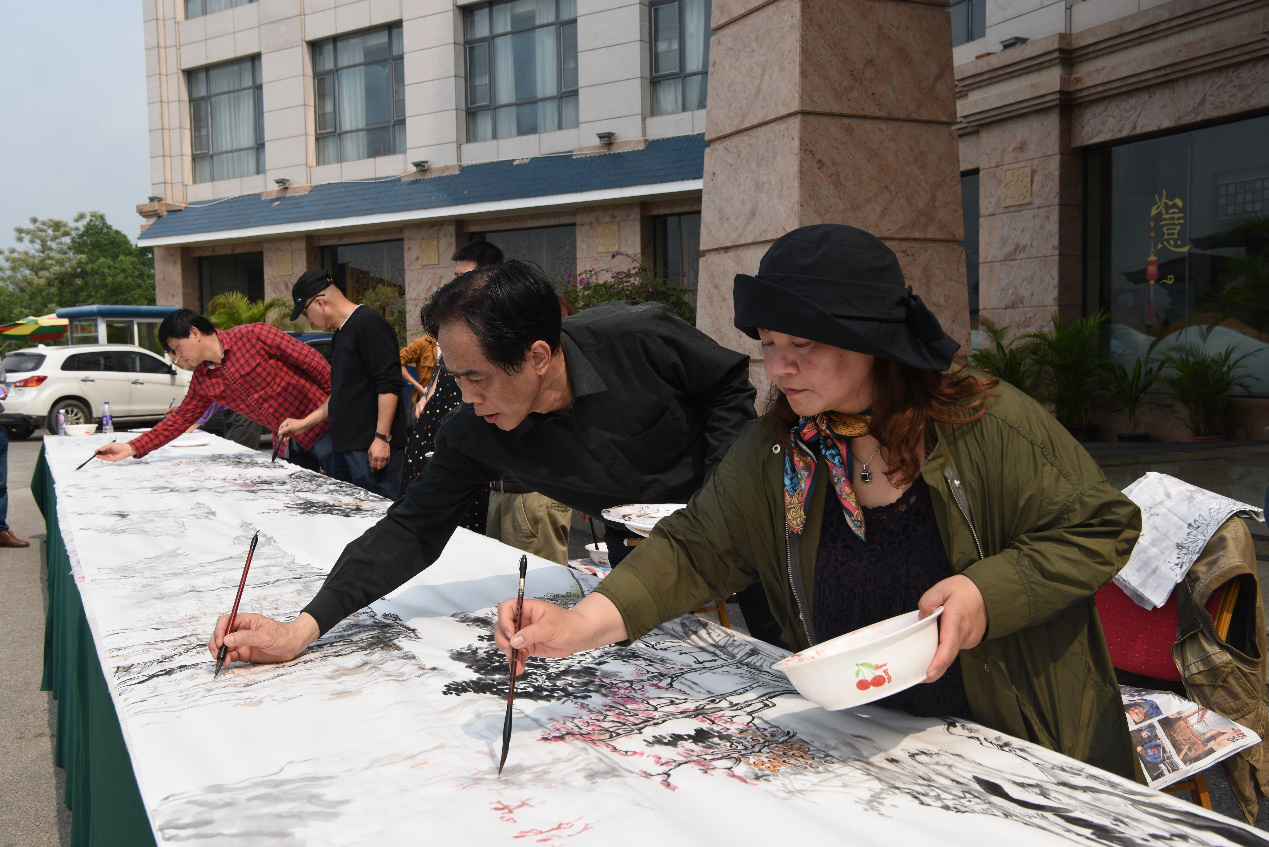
x: 617, y: 404
x: 367, y: 428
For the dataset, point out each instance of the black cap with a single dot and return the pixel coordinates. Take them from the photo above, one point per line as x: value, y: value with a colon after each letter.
x: 841, y: 286
x: 310, y: 284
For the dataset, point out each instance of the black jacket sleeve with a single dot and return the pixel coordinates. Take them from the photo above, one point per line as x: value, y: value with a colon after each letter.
x: 408, y: 539
x: 716, y: 378
x: 381, y: 357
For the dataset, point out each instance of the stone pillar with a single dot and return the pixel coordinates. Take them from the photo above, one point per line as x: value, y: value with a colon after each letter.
x: 175, y: 278
x: 284, y: 261
x: 604, y: 230
x: 852, y: 123
x: 428, y: 247
x: 1031, y: 230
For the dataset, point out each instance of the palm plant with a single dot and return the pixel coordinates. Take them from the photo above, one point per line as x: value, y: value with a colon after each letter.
x: 1128, y: 388
x: 1010, y: 361
x: 233, y: 308
x: 1069, y: 366
x: 1245, y: 293
x: 1204, y: 381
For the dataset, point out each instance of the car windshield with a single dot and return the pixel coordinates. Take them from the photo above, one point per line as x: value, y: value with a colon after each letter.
x: 16, y: 363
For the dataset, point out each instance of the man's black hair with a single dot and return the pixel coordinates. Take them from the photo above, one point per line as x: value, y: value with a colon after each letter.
x: 481, y: 252
x: 507, y: 306
x: 179, y: 323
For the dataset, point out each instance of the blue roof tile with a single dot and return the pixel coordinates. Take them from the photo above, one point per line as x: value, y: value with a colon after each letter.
x: 661, y: 161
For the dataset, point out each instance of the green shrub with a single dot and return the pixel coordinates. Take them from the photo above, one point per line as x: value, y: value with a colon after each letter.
x: 639, y: 283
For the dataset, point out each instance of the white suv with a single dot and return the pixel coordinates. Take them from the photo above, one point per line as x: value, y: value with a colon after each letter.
x: 78, y: 379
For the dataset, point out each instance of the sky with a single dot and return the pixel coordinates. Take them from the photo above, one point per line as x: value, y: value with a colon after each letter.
x: 72, y: 84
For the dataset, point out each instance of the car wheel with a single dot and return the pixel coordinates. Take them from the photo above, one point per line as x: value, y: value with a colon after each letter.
x: 17, y: 432
x: 75, y: 411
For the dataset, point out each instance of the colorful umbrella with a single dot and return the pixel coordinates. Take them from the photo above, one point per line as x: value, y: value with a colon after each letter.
x: 37, y: 330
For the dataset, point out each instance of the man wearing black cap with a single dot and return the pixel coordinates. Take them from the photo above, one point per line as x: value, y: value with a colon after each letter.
x: 366, y: 425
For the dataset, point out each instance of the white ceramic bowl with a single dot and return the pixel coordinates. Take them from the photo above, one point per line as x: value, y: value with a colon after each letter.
x: 598, y: 553
x: 867, y: 664
x: 81, y: 429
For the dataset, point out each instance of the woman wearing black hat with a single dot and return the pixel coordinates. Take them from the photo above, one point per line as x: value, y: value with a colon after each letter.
x: 879, y: 481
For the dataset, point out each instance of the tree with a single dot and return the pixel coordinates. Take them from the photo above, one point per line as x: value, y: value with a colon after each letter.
x: 58, y: 264
x: 111, y: 270
x: 37, y: 273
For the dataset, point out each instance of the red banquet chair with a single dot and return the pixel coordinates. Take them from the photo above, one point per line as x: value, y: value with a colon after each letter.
x: 1140, y: 642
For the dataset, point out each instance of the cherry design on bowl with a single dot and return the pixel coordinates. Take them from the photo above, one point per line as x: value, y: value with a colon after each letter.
x: 868, y: 675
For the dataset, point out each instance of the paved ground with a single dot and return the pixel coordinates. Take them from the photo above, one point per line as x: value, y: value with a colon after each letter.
x: 33, y: 812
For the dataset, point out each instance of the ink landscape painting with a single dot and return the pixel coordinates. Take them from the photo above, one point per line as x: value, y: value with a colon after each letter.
x: 390, y: 726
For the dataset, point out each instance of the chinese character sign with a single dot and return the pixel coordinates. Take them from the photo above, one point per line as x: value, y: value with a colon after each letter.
x: 1171, y: 216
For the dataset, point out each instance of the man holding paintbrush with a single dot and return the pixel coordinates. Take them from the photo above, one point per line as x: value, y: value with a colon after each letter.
x: 618, y: 404
x: 255, y: 369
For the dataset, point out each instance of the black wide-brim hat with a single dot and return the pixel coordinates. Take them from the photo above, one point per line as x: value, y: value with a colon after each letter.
x: 842, y: 286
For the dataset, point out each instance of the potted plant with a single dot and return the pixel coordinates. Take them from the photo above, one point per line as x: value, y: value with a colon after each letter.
x: 1007, y: 360
x: 1203, y: 381
x: 1069, y: 366
x: 1128, y: 390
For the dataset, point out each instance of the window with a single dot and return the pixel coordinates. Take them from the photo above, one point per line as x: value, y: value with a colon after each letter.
x: 15, y: 363
x: 96, y: 362
x: 677, y: 249
x: 521, y: 68
x: 119, y: 332
x: 359, y: 83
x: 680, y: 55
x: 227, y: 120
x: 969, y: 215
x: 140, y: 363
x: 552, y: 248
x: 1175, y: 232
x: 373, y: 275
x: 198, y: 8
x: 969, y: 20
x: 235, y: 272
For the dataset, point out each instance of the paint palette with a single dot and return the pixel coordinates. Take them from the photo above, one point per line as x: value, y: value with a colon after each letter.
x: 640, y: 517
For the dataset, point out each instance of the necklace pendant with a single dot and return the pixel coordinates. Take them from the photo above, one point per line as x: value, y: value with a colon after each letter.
x: 865, y: 476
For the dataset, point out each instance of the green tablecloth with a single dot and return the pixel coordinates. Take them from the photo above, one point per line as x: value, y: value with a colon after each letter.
x: 101, y: 789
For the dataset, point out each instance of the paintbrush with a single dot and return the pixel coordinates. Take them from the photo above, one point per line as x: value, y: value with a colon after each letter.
x: 277, y: 445
x: 511, y: 686
x: 220, y: 657
x: 94, y: 455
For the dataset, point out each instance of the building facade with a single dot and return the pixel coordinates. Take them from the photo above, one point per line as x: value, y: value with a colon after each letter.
x: 1114, y: 153
x: 374, y: 137
x: 1115, y: 156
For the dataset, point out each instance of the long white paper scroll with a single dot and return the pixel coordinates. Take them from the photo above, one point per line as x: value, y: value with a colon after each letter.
x: 388, y: 730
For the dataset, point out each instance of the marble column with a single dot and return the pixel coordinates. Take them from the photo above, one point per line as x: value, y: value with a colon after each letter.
x: 831, y: 111
x: 428, y: 247
x: 1031, y: 221
x: 284, y: 260
x: 175, y: 278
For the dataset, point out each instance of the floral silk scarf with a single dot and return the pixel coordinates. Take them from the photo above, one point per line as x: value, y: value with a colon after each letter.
x: 829, y: 435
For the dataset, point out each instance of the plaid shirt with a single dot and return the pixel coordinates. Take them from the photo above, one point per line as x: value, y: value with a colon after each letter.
x: 265, y: 374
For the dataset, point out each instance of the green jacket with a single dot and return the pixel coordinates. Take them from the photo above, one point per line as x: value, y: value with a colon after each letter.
x: 1023, y: 511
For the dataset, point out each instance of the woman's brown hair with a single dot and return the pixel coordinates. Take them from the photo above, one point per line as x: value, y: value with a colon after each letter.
x: 907, y: 403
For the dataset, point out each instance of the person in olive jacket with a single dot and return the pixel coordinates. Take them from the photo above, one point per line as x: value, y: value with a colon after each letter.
x: 880, y: 481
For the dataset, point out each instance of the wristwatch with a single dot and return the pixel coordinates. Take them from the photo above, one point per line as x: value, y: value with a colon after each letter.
x: 382, y: 437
